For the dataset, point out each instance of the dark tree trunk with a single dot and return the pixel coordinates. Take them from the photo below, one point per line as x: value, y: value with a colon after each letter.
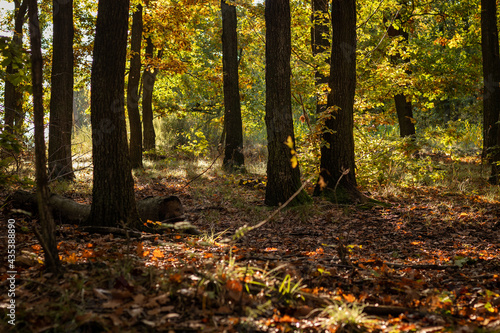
x: 233, y: 156
x: 320, y: 43
x: 403, y: 106
x: 13, y: 101
x: 491, y: 95
x: 283, y: 175
x: 61, y: 92
x: 113, y: 203
x: 337, y: 179
x: 405, y: 116
x: 47, y: 237
x: 148, y: 84
x: 133, y: 97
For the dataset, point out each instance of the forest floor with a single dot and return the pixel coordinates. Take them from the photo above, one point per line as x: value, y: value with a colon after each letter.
x: 429, y: 262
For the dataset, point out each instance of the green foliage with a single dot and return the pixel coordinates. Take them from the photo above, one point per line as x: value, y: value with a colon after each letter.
x: 456, y: 138
x: 10, y: 149
x: 348, y: 316
x: 384, y: 159
x: 290, y: 291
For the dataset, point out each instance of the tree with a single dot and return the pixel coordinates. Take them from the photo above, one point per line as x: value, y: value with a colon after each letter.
x: 148, y: 84
x: 337, y: 179
x: 133, y: 97
x: 283, y: 175
x: 320, y: 43
x: 113, y: 202
x: 47, y: 236
x: 404, y: 108
x: 13, y: 102
x: 491, y: 94
x: 61, y: 91
x: 233, y: 155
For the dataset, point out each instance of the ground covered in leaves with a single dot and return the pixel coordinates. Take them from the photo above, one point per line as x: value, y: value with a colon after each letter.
x: 430, y: 262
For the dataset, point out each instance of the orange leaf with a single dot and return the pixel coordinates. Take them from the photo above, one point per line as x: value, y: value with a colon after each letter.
x: 36, y: 247
x: 88, y: 254
x: 177, y: 278
x: 287, y: 319
x: 349, y: 298
x: 270, y: 249
x: 234, y: 285
x: 158, y: 254
x: 140, y: 249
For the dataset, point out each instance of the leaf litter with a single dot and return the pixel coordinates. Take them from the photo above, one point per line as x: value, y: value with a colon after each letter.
x: 430, y: 263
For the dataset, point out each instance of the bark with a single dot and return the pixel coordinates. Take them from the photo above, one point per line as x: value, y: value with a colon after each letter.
x: 337, y: 179
x: 61, y: 89
x: 68, y: 211
x: 47, y: 235
x: 113, y: 203
x: 283, y: 178
x: 320, y: 44
x: 233, y: 156
x: 403, y: 106
x: 13, y: 101
x: 148, y: 83
x: 133, y: 96
x: 491, y: 94
x: 405, y: 116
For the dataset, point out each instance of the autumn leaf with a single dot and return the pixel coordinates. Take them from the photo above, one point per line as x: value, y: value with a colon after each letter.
x: 176, y: 278
x: 140, y: 249
x: 234, y: 285
x: 158, y: 253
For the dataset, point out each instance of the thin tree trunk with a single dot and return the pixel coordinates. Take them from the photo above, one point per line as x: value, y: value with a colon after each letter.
x: 61, y: 89
x: 148, y: 83
x: 47, y: 237
x: 337, y: 179
x: 13, y: 101
x: 233, y: 155
x: 491, y: 94
x: 320, y: 43
x: 133, y: 91
x: 113, y: 203
x: 283, y: 175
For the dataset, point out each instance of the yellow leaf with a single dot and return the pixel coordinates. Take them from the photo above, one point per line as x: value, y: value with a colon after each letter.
x: 289, y: 142
x: 294, y: 161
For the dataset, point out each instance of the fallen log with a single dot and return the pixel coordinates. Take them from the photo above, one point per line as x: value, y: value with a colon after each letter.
x: 65, y: 210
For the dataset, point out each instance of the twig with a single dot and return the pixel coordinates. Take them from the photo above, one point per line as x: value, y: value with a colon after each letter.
x: 258, y: 225
x: 201, y: 174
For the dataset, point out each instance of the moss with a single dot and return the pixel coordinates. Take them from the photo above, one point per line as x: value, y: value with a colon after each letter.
x: 301, y: 199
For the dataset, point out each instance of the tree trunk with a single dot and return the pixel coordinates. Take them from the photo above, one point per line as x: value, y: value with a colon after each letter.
x: 113, y: 203
x: 148, y: 83
x: 47, y: 237
x: 403, y: 106
x: 283, y: 175
x: 133, y: 97
x: 337, y: 179
x: 405, y: 116
x: 491, y: 94
x: 61, y: 92
x: 233, y: 156
x: 320, y: 43
x: 13, y: 101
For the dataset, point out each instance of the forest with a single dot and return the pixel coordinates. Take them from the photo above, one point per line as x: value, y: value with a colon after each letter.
x: 249, y: 166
